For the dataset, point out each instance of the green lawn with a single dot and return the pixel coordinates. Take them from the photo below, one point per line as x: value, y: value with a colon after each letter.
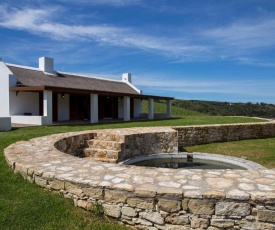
x: 26, y: 206
x: 261, y: 151
x: 176, y: 111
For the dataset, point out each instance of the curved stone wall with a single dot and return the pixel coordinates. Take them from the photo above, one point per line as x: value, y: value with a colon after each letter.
x: 114, y: 145
x: 148, y: 198
x: 75, y: 144
x: 205, y: 134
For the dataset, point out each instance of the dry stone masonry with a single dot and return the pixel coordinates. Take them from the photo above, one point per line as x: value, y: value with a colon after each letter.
x: 205, y: 134
x: 119, y: 144
x: 147, y: 198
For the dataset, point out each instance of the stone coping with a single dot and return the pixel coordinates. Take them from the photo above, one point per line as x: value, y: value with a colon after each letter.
x: 39, y: 156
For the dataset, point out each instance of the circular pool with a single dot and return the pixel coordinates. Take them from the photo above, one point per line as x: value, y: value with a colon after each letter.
x: 192, y: 161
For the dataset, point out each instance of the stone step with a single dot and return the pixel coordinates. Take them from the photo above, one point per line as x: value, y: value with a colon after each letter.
x: 102, y: 153
x: 102, y: 159
x: 106, y: 145
x: 105, y: 136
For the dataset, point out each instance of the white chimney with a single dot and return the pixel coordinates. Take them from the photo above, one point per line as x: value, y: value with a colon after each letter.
x: 46, y: 64
x: 126, y: 77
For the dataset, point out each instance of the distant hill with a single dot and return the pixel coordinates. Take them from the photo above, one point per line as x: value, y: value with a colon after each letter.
x: 227, y: 108
x: 160, y: 107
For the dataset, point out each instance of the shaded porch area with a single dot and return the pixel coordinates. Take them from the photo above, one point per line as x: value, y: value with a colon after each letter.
x: 51, y: 105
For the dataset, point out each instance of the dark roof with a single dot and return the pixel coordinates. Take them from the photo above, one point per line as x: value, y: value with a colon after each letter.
x: 34, y: 78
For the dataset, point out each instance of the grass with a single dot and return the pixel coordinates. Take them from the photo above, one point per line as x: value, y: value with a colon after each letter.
x: 26, y: 206
x: 261, y: 151
x: 176, y: 111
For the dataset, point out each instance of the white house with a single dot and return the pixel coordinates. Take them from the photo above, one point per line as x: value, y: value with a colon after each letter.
x: 42, y: 96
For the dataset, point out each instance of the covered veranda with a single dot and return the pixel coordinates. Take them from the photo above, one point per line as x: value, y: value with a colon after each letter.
x: 57, y: 105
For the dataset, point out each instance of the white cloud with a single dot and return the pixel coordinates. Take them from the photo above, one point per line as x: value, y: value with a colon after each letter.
x: 245, y: 35
x: 176, y: 84
x: 117, y: 3
x: 254, y: 61
x: 38, y: 21
x: 236, y: 42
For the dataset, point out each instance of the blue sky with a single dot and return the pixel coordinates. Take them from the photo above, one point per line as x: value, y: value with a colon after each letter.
x: 215, y: 50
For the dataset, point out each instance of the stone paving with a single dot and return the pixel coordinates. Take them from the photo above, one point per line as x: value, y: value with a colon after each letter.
x: 150, y: 198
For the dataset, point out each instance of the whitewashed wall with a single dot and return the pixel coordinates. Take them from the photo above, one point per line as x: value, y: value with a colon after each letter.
x: 63, y: 107
x: 29, y: 120
x: 24, y: 102
x: 7, y: 79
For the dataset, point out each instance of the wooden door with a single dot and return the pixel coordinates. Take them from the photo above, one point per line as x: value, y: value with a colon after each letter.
x: 80, y: 107
x: 100, y: 107
x: 73, y: 107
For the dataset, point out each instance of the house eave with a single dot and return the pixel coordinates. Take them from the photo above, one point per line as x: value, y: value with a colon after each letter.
x: 27, y: 89
x: 79, y: 91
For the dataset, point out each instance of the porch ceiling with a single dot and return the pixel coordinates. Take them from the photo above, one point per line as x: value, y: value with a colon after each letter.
x: 77, y: 91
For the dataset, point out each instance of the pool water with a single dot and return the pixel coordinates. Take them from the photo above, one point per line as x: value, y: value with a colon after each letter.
x: 186, y: 163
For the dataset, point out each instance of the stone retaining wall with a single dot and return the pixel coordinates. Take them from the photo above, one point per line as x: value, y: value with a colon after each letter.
x: 74, y: 145
x: 205, y: 134
x: 145, y: 141
x: 148, y: 198
x: 114, y: 145
x: 170, y: 208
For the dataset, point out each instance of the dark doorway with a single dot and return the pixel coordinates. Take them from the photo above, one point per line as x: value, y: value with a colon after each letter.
x: 55, y: 107
x: 79, y: 107
x: 115, y: 107
x: 108, y: 107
